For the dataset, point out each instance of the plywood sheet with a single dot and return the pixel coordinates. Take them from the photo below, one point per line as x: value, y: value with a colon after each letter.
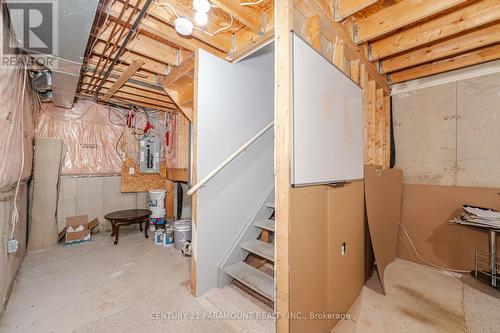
x: 383, y: 192
x: 425, y: 211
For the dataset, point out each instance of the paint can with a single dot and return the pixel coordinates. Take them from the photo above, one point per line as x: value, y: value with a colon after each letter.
x: 182, y: 233
x: 168, y: 236
x: 157, y: 198
x: 158, y: 237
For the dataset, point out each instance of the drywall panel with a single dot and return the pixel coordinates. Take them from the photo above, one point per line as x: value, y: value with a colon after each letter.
x: 235, y: 101
x: 327, y: 120
x: 478, y: 135
x: 383, y: 192
x: 425, y: 134
x: 424, y: 213
x: 326, y: 253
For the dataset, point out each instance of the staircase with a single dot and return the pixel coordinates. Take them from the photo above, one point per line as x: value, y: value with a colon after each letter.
x: 256, y: 270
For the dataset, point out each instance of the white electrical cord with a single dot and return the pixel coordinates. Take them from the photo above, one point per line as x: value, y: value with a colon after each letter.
x: 219, y: 30
x: 163, y: 4
x: 15, y: 212
x: 251, y: 3
x: 425, y: 261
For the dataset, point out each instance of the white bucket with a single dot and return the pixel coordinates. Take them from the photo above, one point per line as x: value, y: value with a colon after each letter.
x: 182, y: 233
x: 157, y: 213
x: 157, y: 198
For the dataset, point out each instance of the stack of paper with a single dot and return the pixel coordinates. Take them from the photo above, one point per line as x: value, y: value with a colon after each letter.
x: 478, y: 217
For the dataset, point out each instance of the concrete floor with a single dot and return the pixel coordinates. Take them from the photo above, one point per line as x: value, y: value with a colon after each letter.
x: 136, y: 286
x: 422, y: 299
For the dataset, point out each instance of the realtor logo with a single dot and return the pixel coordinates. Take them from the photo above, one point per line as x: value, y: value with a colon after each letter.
x: 33, y: 30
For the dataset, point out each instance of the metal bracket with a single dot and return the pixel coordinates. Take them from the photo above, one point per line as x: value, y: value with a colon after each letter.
x: 355, y: 30
x: 231, y: 51
x: 264, y: 23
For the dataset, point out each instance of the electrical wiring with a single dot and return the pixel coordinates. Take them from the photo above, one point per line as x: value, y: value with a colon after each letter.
x: 251, y: 3
x: 425, y: 261
x: 15, y: 212
x: 163, y: 4
x: 219, y: 30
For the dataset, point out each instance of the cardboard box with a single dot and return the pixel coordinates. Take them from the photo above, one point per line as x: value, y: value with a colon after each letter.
x: 78, y: 229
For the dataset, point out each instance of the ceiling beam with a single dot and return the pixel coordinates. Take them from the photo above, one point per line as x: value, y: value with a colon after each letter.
x: 345, y: 8
x: 249, y: 16
x: 160, y: 22
x: 446, y: 48
x: 134, y: 67
x: 176, y: 72
x: 397, y: 16
x: 464, y: 60
x: 465, y: 18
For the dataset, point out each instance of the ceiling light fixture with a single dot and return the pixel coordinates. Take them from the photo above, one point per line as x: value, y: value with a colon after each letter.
x: 183, y: 26
x: 201, y: 6
x: 201, y: 18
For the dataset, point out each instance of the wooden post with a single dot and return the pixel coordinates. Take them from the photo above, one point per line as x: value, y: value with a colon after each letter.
x: 282, y: 146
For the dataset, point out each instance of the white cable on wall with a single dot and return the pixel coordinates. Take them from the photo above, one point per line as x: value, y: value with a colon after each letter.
x: 425, y: 261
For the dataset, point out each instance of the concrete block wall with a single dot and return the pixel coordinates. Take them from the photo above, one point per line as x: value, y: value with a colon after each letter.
x: 94, y: 196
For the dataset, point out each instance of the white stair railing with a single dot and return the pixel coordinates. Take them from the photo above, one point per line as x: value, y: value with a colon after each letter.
x: 228, y: 160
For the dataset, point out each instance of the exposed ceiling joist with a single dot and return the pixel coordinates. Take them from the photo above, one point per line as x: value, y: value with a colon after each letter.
x: 345, y: 8
x: 446, y: 48
x: 465, y: 18
x: 402, y: 14
x: 176, y: 72
x: 249, y: 16
x: 134, y: 67
x: 464, y: 60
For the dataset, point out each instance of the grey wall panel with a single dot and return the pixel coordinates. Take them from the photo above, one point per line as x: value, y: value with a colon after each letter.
x: 235, y: 101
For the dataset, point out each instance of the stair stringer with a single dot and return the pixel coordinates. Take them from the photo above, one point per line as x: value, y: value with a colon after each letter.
x: 248, y: 232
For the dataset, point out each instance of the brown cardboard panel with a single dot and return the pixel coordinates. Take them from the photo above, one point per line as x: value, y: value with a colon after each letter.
x: 77, y: 235
x: 383, y: 192
x: 322, y: 280
x: 425, y: 212
x: 75, y: 221
x: 92, y: 224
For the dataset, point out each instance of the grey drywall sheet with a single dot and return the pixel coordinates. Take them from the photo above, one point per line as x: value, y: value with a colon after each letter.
x: 235, y: 101
x: 47, y: 165
x: 327, y: 120
x: 448, y: 134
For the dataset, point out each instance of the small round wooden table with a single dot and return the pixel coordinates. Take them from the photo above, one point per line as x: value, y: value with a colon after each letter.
x: 127, y: 217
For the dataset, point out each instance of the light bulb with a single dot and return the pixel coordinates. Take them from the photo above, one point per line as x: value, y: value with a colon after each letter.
x: 201, y: 5
x: 201, y: 18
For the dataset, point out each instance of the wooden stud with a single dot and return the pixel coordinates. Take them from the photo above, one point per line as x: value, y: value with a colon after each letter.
x: 136, y: 64
x: 339, y: 59
x: 388, y: 120
x: 313, y: 31
x: 468, y: 59
x: 379, y: 128
x: 346, y: 8
x: 371, y: 89
x: 443, y: 49
x: 283, y: 151
x: 399, y: 15
x: 249, y: 16
x: 354, y: 64
x: 468, y: 17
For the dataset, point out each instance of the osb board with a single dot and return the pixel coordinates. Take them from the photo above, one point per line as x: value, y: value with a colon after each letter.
x: 141, y: 182
x: 183, y: 143
x: 383, y: 191
x: 425, y: 211
x: 322, y: 280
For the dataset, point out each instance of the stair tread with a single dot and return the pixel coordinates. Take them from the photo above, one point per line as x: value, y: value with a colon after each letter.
x: 252, y: 278
x: 271, y: 204
x: 266, y: 224
x: 265, y: 250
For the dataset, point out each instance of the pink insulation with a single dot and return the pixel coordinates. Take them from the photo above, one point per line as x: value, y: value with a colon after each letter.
x: 16, y: 117
x: 89, y: 135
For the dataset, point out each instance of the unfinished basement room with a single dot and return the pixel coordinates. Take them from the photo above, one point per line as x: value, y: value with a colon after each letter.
x: 288, y: 166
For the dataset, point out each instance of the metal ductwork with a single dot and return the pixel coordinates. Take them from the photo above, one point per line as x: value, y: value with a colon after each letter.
x: 73, y: 26
x: 42, y: 81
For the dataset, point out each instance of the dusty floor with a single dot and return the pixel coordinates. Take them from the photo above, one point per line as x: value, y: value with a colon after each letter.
x: 422, y: 299
x: 135, y: 286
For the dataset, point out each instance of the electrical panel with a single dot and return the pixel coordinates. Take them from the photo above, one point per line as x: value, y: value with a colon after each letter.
x: 149, y: 155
